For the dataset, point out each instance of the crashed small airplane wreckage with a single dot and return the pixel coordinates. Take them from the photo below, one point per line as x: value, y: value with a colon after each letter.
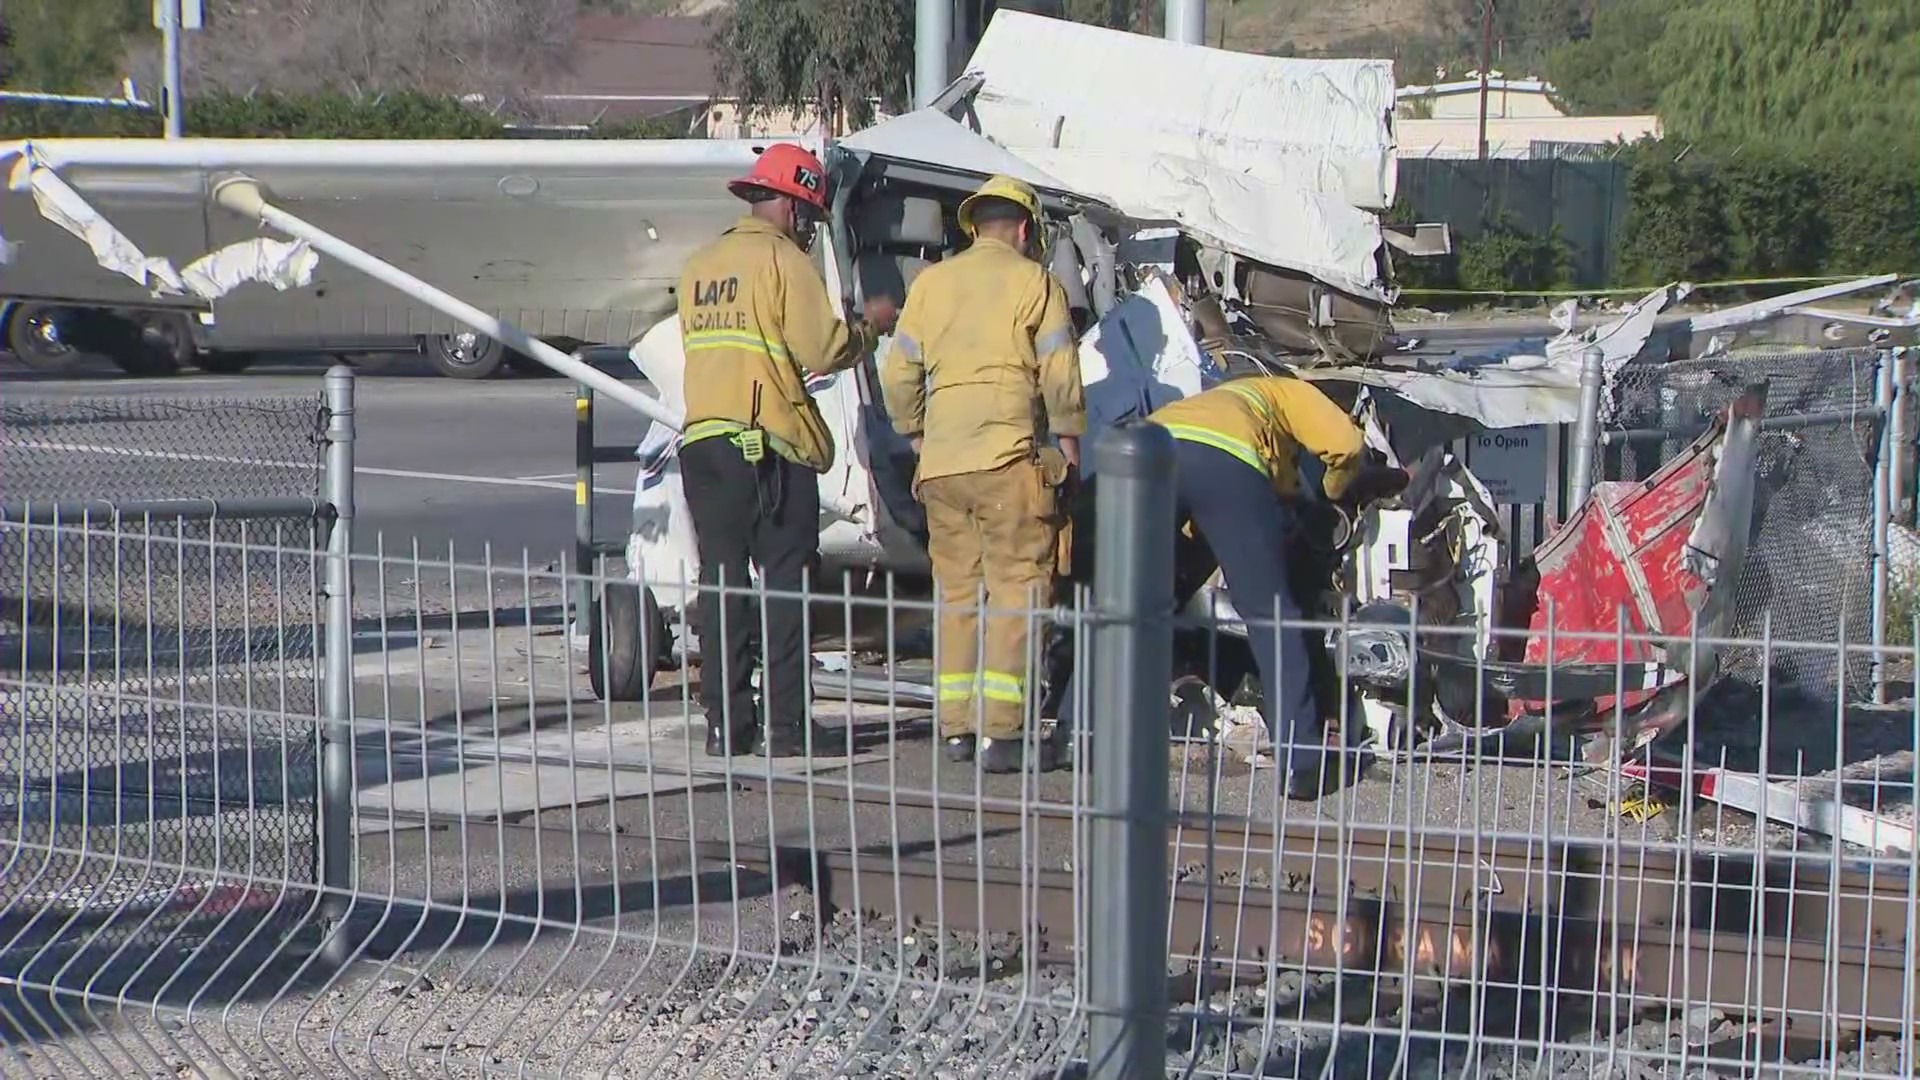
x: 1210, y: 212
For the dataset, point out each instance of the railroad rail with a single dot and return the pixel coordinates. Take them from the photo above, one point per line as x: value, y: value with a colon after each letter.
x: 1622, y: 926
x: 1599, y: 927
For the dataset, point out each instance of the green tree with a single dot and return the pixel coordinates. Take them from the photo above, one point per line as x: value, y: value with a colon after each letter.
x: 68, y: 46
x: 1797, y: 74
x: 1527, y: 31
x: 1676, y: 227
x: 1611, y: 70
x: 774, y: 54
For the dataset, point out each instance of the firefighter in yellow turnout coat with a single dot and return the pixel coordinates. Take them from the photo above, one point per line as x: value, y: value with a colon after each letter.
x: 756, y: 319
x: 1238, y: 482
x: 983, y: 366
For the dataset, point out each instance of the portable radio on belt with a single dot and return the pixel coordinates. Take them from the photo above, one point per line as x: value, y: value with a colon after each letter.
x: 753, y: 441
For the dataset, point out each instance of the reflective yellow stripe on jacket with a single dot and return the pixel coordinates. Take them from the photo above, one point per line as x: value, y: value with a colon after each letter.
x: 1239, y: 448
x: 713, y: 429
x: 983, y: 362
x: 755, y: 321
x: 1193, y: 433
x: 1265, y: 421
x: 707, y: 340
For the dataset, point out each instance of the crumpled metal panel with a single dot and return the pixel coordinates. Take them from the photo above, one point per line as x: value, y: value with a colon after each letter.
x: 1630, y: 560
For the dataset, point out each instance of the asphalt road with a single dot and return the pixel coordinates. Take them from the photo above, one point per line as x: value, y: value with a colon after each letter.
x: 461, y: 465
x: 458, y: 465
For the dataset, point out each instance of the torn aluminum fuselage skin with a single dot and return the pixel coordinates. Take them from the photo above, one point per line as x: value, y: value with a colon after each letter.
x: 1274, y: 170
x: 1807, y: 319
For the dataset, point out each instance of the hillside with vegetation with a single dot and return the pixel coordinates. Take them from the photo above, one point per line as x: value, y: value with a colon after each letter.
x: 1742, y: 72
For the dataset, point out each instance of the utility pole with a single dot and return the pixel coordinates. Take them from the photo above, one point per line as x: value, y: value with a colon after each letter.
x: 170, y: 17
x: 932, y: 41
x: 1486, y: 61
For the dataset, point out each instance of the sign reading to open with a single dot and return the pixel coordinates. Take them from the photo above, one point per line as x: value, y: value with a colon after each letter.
x: 1512, y: 463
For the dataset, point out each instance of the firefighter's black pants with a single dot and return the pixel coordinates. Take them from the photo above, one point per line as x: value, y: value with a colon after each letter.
x: 768, y: 513
x: 1251, y: 530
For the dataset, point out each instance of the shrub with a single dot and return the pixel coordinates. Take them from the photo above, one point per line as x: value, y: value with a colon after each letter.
x: 1767, y: 212
x: 1675, y: 228
x: 1691, y: 214
x: 1506, y: 256
x: 1869, y: 205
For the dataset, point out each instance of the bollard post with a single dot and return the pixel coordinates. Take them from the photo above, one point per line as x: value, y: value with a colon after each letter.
x: 1883, y: 495
x: 1128, y: 879
x: 172, y: 109
x: 337, y: 874
x: 583, y: 560
x: 1901, y: 503
x: 1586, y: 432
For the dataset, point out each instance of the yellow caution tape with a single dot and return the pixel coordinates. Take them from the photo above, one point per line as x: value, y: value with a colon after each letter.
x: 1634, y: 289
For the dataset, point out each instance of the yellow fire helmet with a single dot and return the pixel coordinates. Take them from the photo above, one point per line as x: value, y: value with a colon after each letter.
x: 1014, y: 191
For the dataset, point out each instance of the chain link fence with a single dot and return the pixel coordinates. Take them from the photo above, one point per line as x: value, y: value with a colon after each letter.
x: 540, y: 883
x: 158, y: 617
x: 158, y: 448
x: 1810, y: 557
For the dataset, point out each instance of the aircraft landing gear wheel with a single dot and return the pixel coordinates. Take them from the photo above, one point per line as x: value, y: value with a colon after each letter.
x: 465, y: 354
x: 626, y: 638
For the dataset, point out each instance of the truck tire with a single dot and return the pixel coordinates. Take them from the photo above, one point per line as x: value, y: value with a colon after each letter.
x: 622, y: 657
x: 163, y: 346
x: 225, y: 363
x: 148, y: 355
x: 34, y: 338
x: 465, y: 354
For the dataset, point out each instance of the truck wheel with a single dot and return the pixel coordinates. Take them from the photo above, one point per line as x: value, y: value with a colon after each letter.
x: 465, y: 354
x: 34, y: 336
x: 149, y: 346
x: 621, y: 657
x: 225, y: 363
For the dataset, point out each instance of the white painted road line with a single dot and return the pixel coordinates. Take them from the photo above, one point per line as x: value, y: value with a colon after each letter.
x: 359, y: 470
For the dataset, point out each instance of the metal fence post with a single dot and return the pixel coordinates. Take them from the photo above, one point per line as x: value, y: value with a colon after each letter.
x: 583, y: 560
x: 1883, y: 396
x: 336, y: 758
x: 1132, y: 659
x: 1586, y: 432
x: 1901, y: 503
